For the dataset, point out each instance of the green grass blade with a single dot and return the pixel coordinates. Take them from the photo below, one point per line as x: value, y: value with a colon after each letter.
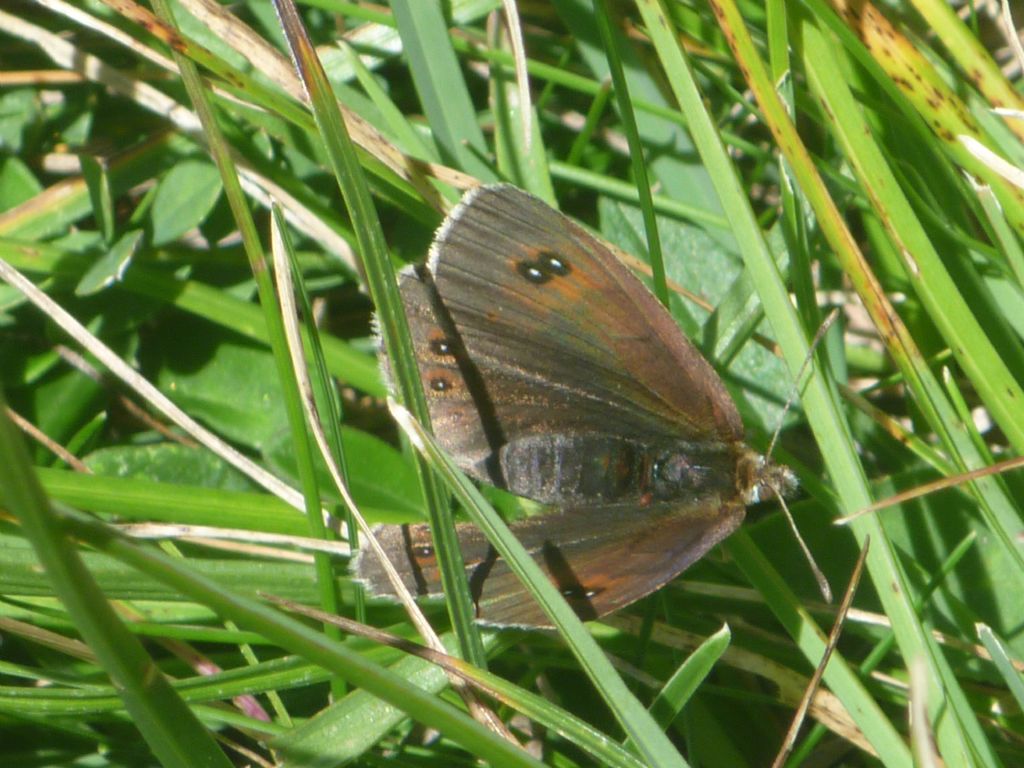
x: 441, y: 87
x: 620, y: 86
x: 830, y: 428
x: 691, y: 673
x: 169, y: 727
x: 1001, y: 658
x: 381, y: 280
x: 300, y: 639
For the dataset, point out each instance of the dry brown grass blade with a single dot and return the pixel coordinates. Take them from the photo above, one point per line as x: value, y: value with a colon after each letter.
x: 937, y: 485
x: 815, y: 681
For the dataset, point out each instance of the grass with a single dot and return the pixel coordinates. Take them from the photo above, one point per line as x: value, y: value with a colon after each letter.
x: 821, y: 165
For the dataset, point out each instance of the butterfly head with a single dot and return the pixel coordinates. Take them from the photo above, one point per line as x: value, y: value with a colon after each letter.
x: 762, y: 479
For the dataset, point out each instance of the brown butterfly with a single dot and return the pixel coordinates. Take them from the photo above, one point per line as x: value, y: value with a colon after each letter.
x: 553, y: 373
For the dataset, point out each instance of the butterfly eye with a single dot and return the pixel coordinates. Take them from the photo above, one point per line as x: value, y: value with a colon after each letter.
x: 423, y: 551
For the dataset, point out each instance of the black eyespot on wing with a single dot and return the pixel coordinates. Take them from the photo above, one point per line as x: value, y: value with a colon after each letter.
x: 532, y: 272
x: 441, y: 384
x: 441, y: 347
x: 553, y: 263
x: 579, y: 592
x: 547, y: 266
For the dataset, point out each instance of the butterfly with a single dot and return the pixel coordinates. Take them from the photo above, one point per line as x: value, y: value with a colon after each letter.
x: 553, y: 373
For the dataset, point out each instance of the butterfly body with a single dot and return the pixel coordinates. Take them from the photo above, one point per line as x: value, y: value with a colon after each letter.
x: 552, y: 372
x: 586, y: 469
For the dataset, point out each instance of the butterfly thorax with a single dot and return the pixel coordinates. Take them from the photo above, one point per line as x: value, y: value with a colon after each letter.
x: 599, y: 468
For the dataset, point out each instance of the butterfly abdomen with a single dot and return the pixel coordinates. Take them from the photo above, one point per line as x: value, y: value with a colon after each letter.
x: 594, y: 469
x: 570, y: 468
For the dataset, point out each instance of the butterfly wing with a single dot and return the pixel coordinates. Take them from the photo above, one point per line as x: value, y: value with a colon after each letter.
x: 601, y: 559
x: 526, y: 327
x: 528, y: 320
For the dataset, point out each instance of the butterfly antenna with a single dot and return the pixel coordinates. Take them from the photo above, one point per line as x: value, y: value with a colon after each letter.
x: 795, y: 390
x: 823, y: 585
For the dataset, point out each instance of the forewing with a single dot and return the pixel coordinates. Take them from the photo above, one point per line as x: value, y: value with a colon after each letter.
x: 561, y: 334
